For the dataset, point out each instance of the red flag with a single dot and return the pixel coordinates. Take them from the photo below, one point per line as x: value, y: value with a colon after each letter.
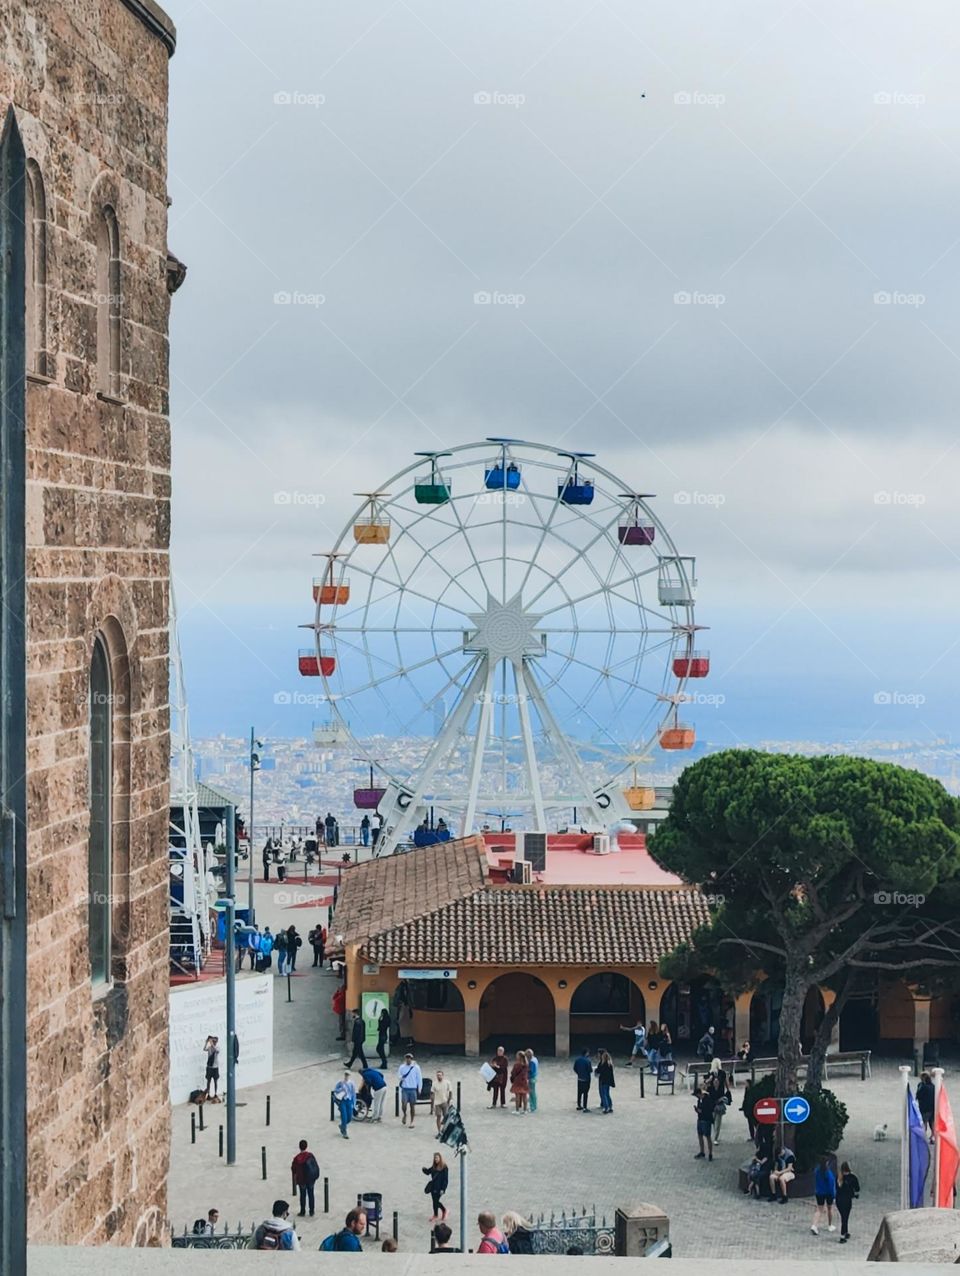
x: 945, y: 1133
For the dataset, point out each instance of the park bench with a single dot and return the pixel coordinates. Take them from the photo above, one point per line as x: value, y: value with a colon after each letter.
x: 424, y: 1101
x: 847, y: 1059
x: 752, y: 1068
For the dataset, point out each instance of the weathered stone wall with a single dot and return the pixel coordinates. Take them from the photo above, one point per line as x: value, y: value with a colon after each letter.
x: 88, y: 82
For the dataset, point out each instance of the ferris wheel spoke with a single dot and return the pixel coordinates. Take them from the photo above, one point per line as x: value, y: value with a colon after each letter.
x: 428, y: 553
x: 584, y: 598
x: 581, y: 554
x: 479, y: 748
x: 399, y: 671
x: 561, y: 744
x: 545, y: 527
x: 400, y: 588
x: 529, y: 745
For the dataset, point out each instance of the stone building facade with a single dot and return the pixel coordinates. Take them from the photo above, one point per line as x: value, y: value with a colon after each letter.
x: 87, y: 82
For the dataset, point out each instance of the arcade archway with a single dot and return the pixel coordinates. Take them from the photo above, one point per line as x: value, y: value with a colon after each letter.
x: 601, y: 1006
x: 517, y: 1010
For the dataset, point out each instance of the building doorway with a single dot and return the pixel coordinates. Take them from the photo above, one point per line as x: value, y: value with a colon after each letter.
x: 517, y: 1011
x: 600, y: 1007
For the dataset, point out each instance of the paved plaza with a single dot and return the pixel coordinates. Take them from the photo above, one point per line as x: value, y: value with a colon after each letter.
x: 555, y: 1160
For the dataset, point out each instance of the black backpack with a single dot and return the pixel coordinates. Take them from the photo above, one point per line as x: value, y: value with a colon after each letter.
x: 311, y: 1169
x: 269, y: 1237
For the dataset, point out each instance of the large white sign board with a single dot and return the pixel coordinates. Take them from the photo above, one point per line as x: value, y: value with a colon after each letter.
x: 200, y: 1010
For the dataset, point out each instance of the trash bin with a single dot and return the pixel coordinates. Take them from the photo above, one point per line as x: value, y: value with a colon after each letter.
x: 372, y: 1204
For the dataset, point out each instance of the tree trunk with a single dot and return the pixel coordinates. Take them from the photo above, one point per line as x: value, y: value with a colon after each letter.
x: 791, y: 1019
x: 818, y: 1051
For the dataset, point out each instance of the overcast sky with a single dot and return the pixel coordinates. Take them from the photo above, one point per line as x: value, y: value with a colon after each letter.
x: 725, y: 243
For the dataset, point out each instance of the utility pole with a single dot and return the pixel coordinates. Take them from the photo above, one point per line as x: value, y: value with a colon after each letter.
x: 231, y: 903
x: 254, y: 768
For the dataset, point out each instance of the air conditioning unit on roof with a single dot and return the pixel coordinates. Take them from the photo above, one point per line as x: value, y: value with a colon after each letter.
x: 601, y: 843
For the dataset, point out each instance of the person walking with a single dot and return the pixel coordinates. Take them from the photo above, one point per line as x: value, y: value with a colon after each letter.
x: 498, y: 1084
x: 492, y: 1240
x: 316, y: 940
x: 383, y: 1036
x: 639, y: 1039
x: 848, y: 1189
x: 705, y: 1046
x: 365, y: 830
x: 345, y: 1096
x: 520, y: 1083
x: 653, y: 1047
x: 375, y: 1082
x: 410, y: 1079
x: 926, y: 1097
x: 825, y: 1192
x: 442, y: 1098
x: 304, y: 1171
x: 358, y: 1035
x: 723, y: 1099
x: 605, y: 1081
x: 666, y: 1043
x: 276, y: 1232
x: 439, y: 1177
x: 212, y: 1048
x: 705, y: 1104
x: 584, y: 1070
x: 533, y: 1071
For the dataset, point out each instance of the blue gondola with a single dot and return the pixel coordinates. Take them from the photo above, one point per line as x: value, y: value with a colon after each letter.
x: 497, y: 478
x: 574, y: 490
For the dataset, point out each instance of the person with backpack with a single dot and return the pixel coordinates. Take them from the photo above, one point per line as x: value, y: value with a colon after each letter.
x: 275, y: 1233
x: 347, y: 1240
x: 280, y: 948
x: 207, y: 1226
x: 304, y: 1171
x: 492, y: 1240
x: 265, y: 959
x: 293, y: 943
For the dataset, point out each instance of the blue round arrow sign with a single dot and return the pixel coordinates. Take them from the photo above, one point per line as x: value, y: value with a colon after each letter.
x: 796, y: 1109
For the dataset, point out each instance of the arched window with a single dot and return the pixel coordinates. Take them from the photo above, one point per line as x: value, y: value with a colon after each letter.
x: 108, y: 303
x: 36, y: 271
x: 100, y: 857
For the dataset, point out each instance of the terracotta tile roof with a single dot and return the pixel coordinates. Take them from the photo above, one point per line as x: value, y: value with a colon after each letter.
x: 544, y: 925
x: 384, y: 893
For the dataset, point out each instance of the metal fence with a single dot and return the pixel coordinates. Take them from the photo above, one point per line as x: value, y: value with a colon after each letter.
x: 229, y: 1238
x: 583, y: 1231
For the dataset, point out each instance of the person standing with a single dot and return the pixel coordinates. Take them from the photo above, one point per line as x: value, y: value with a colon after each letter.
x: 520, y: 1083
x: 329, y: 824
x: 518, y: 1231
x: 265, y: 858
x: 280, y: 948
x: 442, y: 1098
x: 439, y: 1177
x: 293, y: 943
x: 501, y: 1067
x: 441, y: 1238
x: 316, y: 943
x: 345, y: 1095
x: 533, y: 1071
x: 705, y: 1046
x: 347, y: 1240
x: 276, y: 1233
x: 358, y: 1035
x: 410, y: 1079
x: 584, y: 1070
x: 639, y: 1037
x: 492, y: 1240
x: 365, y: 830
x: 848, y: 1189
x: 212, y: 1048
x: 375, y: 1082
x: 825, y: 1192
x: 338, y: 1004
x: 383, y: 1036
x: 653, y: 1047
x: 606, y: 1082
x: 705, y: 1104
x: 926, y: 1097
x: 666, y: 1043
x: 304, y: 1171
x: 722, y: 1100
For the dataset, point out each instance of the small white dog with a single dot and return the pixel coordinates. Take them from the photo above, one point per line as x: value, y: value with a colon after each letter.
x: 879, y: 1133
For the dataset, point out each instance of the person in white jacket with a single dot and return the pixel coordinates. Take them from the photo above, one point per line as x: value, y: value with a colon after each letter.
x: 410, y: 1080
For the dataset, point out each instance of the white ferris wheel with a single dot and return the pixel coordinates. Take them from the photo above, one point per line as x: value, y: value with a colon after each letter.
x: 504, y: 630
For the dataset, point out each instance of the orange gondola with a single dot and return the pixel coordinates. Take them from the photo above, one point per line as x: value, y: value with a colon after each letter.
x: 312, y: 666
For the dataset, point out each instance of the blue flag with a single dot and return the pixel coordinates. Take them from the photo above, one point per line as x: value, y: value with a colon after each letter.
x: 919, y: 1152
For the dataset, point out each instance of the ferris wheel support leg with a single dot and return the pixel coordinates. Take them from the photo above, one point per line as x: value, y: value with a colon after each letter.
x: 476, y: 764
x: 451, y: 729
x: 562, y: 745
x: 523, y: 695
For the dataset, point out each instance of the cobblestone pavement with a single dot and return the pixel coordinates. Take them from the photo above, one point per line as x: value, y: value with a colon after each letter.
x: 556, y: 1159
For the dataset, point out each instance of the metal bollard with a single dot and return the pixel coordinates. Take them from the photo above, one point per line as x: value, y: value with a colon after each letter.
x: 396, y: 1101
x: 221, y: 1140
x: 289, y: 998
x: 396, y: 1226
x: 326, y: 1196
x: 643, y: 1093
x: 200, y: 1110
x: 268, y: 1109
x: 193, y: 1127
x: 263, y: 1162
x: 458, y: 1096
x: 333, y: 1104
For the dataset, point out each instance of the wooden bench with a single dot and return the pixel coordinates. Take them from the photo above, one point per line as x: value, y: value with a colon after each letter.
x: 744, y: 1067
x: 847, y: 1059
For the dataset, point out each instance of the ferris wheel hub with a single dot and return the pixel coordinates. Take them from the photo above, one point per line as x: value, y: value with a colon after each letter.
x: 505, y: 631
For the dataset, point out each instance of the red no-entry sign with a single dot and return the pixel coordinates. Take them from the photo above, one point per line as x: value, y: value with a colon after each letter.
x: 766, y: 1111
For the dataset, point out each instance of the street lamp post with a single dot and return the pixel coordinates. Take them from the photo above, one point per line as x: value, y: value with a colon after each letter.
x: 231, y: 904
x: 255, y: 744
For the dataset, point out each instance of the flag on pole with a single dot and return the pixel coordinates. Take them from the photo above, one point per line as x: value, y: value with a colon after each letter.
x: 919, y: 1152
x: 945, y: 1133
